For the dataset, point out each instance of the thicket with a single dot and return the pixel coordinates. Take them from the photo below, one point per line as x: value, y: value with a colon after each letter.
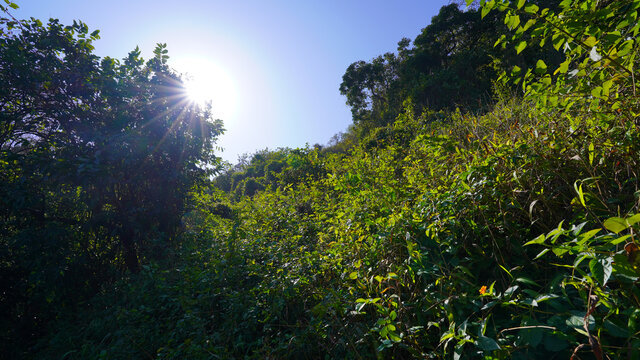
x: 97, y: 157
x: 506, y: 235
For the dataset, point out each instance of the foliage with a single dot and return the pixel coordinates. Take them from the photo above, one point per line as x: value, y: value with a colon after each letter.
x: 428, y: 250
x: 599, y: 41
x: 452, y: 64
x: 271, y: 169
x: 97, y: 157
x: 506, y: 235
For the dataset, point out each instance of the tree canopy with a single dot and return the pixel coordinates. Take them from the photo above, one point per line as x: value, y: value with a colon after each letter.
x: 453, y: 63
x: 97, y: 157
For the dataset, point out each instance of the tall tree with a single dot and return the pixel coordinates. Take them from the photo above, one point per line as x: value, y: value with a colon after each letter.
x: 97, y: 157
x: 452, y: 63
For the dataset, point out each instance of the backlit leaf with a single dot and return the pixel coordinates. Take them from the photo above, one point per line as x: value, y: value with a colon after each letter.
x: 615, y: 224
x: 590, y: 41
x: 541, y: 67
x: 631, y: 220
x: 539, y: 240
x: 531, y: 9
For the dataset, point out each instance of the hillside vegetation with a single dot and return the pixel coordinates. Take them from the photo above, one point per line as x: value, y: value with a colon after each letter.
x: 510, y: 233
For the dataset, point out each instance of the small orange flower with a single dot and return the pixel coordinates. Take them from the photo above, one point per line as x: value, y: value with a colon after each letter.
x: 483, y: 290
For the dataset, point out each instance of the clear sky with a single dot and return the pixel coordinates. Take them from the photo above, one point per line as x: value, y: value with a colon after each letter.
x: 281, y: 61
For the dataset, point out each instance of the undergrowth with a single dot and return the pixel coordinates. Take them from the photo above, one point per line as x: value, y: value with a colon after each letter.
x: 508, y: 235
x: 498, y: 236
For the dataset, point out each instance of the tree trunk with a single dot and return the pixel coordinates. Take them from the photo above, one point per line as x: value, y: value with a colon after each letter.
x: 129, y: 249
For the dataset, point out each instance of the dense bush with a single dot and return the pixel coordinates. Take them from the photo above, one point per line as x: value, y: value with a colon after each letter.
x: 429, y: 250
x: 97, y: 158
x: 507, y: 235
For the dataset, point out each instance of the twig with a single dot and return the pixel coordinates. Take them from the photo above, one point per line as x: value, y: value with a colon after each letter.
x: 528, y: 327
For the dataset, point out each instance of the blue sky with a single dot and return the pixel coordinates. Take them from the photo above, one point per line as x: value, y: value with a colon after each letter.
x: 284, y: 58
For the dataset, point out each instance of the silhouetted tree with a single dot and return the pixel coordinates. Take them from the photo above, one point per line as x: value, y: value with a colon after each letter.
x: 97, y: 157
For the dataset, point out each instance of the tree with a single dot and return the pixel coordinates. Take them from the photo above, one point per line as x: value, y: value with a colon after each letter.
x: 369, y: 89
x: 97, y: 157
x: 452, y: 64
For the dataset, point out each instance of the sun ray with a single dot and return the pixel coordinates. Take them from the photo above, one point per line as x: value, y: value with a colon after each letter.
x: 207, y: 82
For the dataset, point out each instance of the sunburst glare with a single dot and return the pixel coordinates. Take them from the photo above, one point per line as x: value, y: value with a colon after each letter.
x: 205, y: 81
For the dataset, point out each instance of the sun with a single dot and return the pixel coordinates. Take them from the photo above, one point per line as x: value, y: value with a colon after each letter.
x: 205, y: 81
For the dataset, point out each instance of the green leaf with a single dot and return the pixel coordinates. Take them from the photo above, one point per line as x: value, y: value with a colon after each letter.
x: 565, y: 4
x: 513, y: 21
x: 577, y: 229
x: 558, y: 41
x: 601, y: 269
x: 505, y: 270
x: 560, y: 250
x: 615, y: 224
x: 383, y: 332
x: 353, y: 275
x: 394, y: 337
x: 576, y: 321
x: 485, y: 11
x: 616, y: 330
x: 531, y: 337
x: 521, y: 46
x: 588, y: 235
x: 525, y: 280
x: 545, y: 297
x: 531, y: 9
x: 583, y: 256
x: 521, y: 3
x: 458, y: 351
x: 631, y: 220
x: 516, y: 71
x: 563, y: 68
x: 385, y: 345
x: 541, y: 67
x: 539, y: 240
x: 511, y: 290
x: 554, y: 343
x: 541, y: 254
x: 580, y: 193
x: 626, y: 47
x: 487, y: 344
x: 447, y: 335
x: 469, y: 2
x: 590, y: 41
x: 606, y: 87
x: 618, y: 240
x: 634, y: 321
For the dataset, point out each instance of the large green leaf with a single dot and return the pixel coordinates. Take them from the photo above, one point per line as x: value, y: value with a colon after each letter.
x: 615, y: 224
x: 601, y: 269
x: 541, y: 67
x: 487, y: 343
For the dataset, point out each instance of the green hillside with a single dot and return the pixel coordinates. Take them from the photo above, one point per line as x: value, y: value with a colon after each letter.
x: 500, y: 224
